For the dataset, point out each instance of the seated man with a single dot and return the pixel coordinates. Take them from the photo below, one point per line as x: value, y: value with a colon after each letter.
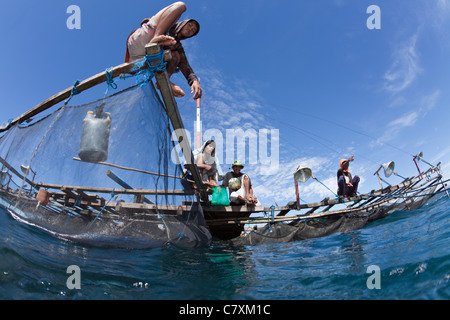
x: 347, y: 186
x: 239, y: 185
x: 163, y: 29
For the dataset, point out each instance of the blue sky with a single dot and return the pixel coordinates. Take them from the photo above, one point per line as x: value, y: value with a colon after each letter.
x: 310, y: 69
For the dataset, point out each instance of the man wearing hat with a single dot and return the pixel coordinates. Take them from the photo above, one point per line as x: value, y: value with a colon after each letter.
x: 347, y: 186
x: 239, y: 185
x: 164, y: 29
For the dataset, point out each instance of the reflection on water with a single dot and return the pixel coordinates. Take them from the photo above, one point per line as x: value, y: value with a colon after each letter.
x: 411, y: 248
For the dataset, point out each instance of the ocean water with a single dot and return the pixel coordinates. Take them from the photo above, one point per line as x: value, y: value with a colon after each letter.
x: 410, y: 249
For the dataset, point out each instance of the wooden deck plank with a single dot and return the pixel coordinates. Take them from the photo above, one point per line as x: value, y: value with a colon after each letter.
x: 116, y: 191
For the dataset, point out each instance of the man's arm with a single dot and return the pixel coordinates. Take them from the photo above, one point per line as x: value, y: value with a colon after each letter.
x: 188, y: 72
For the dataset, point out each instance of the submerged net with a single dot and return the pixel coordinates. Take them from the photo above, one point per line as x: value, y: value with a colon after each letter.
x: 302, y: 229
x: 139, y: 138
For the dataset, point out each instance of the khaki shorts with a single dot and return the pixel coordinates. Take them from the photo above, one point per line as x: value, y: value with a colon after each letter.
x: 139, y: 39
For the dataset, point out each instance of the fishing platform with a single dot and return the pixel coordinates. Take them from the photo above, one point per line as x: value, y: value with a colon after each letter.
x: 144, y: 218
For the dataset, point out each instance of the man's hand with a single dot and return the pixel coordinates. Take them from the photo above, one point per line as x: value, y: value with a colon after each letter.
x: 197, y: 89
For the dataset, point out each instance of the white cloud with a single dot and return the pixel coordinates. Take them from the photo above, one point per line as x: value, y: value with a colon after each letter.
x: 409, y: 119
x: 280, y: 186
x: 429, y: 102
x: 442, y: 12
x: 406, y: 120
x: 405, y: 67
x: 396, y: 126
x: 445, y: 170
x: 440, y: 156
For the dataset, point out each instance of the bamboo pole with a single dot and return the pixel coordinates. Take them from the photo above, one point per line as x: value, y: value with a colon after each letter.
x: 133, y: 169
x: 82, y: 86
x: 116, y: 191
x: 174, y: 115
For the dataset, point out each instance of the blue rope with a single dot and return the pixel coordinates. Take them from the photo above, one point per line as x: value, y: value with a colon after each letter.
x: 73, y: 92
x: 149, y: 73
x: 273, y: 213
x: 101, y: 211
x: 325, y: 186
x: 395, y: 173
x: 74, y: 88
x: 161, y: 66
x: 109, y: 80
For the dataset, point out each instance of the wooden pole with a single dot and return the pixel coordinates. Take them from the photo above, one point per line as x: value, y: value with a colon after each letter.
x: 133, y: 169
x: 137, y: 198
x: 417, y: 166
x: 174, y: 115
x: 379, y: 180
x: 110, y: 190
x: 6, y: 164
x: 378, y: 175
x: 297, y: 194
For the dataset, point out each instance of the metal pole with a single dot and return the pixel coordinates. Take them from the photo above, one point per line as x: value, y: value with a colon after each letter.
x: 199, y: 140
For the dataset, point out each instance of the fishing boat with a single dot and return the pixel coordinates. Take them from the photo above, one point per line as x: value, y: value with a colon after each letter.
x: 56, y: 181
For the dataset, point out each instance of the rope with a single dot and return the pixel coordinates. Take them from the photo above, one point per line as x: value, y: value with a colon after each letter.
x: 101, y: 211
x: 149, y: 73
x: 182, y: 234
x: 109, y: 80
x: 396, y: 174
x: 417, y: 196
x: 161, y: 66
x: 74, y: 92
x: 315, y: 178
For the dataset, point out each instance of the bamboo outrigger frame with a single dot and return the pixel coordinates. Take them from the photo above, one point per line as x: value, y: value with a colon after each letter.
x: 224, y: 222
x: 227, y: 222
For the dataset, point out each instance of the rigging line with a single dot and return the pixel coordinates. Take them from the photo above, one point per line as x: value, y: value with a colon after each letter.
x: 308, y: 134
x: 214, y: 107
x: 347, y: 128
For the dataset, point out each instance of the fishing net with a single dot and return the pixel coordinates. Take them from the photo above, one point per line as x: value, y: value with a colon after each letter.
x: 83, y: 204
x: 302, y: 229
